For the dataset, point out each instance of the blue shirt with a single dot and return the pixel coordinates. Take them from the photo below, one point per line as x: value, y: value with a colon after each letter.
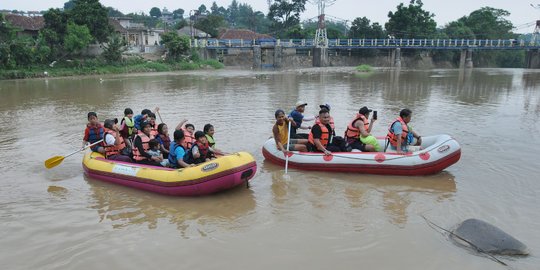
x: 137, y: 119
x: 398, y: 129
x: 175, y: 153
x: 297, y: 117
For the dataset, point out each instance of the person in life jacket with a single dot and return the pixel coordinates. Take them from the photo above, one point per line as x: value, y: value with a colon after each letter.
x: 188, y: 133
x: 152, y: 119
x: 177, y: 151
x: 139, y: 118
x: 93, y: 133
x: 327, y: 107
x: 141, y: 146
x: 360, y: 128
x: 280, y: 131
x: 298, y: 117
x: 200, y: 151
x: 321, y: 137
x: 208, y: 130
x: 163, y: 139
x: 127, y: 126
x: 114, y: 143
x: 400, y: 135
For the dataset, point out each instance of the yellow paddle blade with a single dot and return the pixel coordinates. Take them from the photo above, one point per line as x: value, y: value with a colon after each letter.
x: 53, y: 162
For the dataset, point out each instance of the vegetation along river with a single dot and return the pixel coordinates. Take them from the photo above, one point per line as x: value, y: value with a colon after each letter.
x: 61, y: 219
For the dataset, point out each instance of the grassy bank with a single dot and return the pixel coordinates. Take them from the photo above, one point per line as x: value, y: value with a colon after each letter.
x: 94, y: 67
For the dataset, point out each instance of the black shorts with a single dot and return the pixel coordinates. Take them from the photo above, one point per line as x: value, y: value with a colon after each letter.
x: 357, y: 144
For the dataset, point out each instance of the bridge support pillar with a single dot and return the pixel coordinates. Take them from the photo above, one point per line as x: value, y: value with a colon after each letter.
x: 533, y: 59
x: 278, y: 56
x: 396, y: 58
x: 257, y: 57
x: 320, y: 57
x: 465, y: 60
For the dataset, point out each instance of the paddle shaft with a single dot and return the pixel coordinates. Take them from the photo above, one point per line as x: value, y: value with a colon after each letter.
x: 90, y: 145
x: 287, y: 149
x: 160, y: 119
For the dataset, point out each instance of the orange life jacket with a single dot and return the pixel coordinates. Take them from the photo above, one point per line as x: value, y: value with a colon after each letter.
x: 189, y: 139
x: 318, y: 121
x: 113, y: 149
x: 392, y: 137
x: 144, y: 139
x: 354, y: 132
x: 325, y: 136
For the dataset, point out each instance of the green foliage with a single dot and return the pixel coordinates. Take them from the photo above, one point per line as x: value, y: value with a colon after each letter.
x: 488, y: 23
x: 179, y: 13
x: 112, y: 12
x: 176, y: 45
x: 210, y: 24
x: 285, y: 14
x: 458, y: 29
x: 362, y: 28
x: 155, y: 12
x: 94, y: 15
x: 112, y: 50
x: 364, y: 68
x: 77, y: 38
x: 411, y: 21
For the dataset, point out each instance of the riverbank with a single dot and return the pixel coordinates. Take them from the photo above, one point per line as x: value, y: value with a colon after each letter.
x: 77, y: 68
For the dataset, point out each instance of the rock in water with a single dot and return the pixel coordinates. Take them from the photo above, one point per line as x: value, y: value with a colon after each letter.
x: 488, y: 238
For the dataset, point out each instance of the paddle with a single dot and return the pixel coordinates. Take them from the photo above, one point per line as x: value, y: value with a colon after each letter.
x: 54, y: 161
x: 287, y: 149
x: 160, y: 119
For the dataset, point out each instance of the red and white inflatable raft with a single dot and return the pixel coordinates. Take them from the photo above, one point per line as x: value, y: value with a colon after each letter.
x: 438, y: 153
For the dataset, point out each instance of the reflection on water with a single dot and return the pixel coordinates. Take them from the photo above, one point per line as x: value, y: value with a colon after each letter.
x: 395, y: 192
x: 197, y: 216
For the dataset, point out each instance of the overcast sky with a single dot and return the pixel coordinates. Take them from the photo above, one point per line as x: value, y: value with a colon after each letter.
x: 376, y: 10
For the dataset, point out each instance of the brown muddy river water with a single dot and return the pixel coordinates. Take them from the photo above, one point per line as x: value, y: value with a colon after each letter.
x: 61, y: 219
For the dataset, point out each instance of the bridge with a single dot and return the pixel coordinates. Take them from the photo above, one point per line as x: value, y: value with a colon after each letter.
x: 320, y: 53
x: 422, y: 44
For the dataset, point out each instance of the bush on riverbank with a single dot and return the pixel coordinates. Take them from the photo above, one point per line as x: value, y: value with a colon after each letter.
x: 96, y: 66
x: 364, y: 68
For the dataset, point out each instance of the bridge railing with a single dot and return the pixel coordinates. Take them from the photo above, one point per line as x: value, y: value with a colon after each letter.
x: 369, y: 43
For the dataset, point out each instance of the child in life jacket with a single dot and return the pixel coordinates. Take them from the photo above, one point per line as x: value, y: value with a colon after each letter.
x: 93, y: 133
x: 155, y: 152
x: 127, y: 127
x: 209, y: 133
x: 200, y: 151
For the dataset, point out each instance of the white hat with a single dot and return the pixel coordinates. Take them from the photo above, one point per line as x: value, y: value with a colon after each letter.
x: 300, y: 103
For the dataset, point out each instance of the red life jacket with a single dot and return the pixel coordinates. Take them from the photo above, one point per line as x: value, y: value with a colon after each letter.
x: 165, y: 140
x: 113, y: 149
x: 392, y: 137
x: 353, y: 132
x: 144, y: 139
x: 325, y: 136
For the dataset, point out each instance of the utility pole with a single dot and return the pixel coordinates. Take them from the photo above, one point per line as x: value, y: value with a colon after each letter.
x: 536, y: 33
x: 321, y: 37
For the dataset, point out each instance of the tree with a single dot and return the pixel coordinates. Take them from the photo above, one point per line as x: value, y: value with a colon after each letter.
x: 176, y: 45
x: 285, y: 14
x: 411, y: 21
x: 77, y: 38
x: 458, y: 29
x: 69, y: 5
x: 94, y: 16
x: 112, y: 50
x: 202, y: 9
x: 112, y: 12
x: 210, y: 24
x: 7, y: 35
x: 155, y: 12
x: 362, y: 28
x: 178, y: 14
x: 489, y: 23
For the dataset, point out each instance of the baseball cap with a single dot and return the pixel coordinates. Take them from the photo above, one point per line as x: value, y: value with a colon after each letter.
x: 364, y: 110
x: 300, y: 103
x: 325, y: 106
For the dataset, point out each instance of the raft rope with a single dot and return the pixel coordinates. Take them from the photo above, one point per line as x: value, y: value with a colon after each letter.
x: 370, y: 159
x: 435, y: 227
